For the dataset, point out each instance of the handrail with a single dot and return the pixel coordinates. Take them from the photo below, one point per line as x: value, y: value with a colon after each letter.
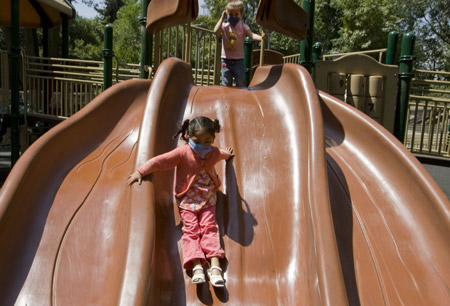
x: 434, y: 99
x: 379, y: 51
x: 428, y: 127
x: 333, y: 55
x: 65, y: 59
x: 431, y: 72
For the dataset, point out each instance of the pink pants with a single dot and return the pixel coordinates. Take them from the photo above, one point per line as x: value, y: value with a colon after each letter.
x: 200, y: 236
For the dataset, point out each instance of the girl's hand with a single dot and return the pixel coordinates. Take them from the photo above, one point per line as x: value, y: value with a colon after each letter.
x: 230, y: 150
x: 263, y: 36
x: 224, y: 15
x: 135, y: 176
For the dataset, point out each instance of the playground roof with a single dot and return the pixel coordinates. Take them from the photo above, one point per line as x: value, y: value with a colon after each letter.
x: 37, y: 13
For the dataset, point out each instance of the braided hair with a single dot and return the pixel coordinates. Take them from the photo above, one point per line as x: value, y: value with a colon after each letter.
x: 198, y: 124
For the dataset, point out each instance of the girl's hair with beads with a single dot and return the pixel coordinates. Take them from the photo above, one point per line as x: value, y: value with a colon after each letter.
x: 198, y: 124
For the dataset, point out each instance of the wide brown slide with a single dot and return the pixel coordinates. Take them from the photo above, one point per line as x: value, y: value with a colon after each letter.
x: 320, y: 205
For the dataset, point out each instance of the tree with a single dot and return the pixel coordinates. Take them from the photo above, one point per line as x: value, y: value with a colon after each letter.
x: 127, y: 35
x: 108, y: 12
x: 366, y: 24
x: 107, y: 9
x: 86, y: 38
x: 327, y: 22
x: 430, y: 20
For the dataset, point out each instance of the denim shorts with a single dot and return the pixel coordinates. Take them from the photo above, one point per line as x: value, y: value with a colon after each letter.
x: 233, y: 68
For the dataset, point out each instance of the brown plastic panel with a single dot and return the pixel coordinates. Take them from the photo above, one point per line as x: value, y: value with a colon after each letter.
x: 271, y: 57
x: 29, y: 17
x: 330, y: 76
x: 320, y: 205
x: 163, y: 14
x: 391, y: 219
x: 284, y: 17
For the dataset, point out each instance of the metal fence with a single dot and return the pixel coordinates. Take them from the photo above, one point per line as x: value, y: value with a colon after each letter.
x: 295, y: 58
x: 60, y: 87
x: 428, y: 124
x: 194, y: 44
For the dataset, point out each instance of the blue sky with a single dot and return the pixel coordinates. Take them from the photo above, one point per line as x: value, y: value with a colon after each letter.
x: 87, y: 12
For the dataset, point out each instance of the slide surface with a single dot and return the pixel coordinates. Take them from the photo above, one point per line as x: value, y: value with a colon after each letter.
x: 320, y: 205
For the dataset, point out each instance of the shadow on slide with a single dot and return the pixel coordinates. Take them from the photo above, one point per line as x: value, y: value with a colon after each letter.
x: 320, y: 205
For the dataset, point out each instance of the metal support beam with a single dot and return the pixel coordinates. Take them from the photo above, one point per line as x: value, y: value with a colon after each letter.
x: 248, y: 49
x: 405, y: 75
x: 306, y: 44
x: 391, y: 48
x: 107, y: 57
x: 65, y: 36
x: 146, y: 43
x: 14, y: 64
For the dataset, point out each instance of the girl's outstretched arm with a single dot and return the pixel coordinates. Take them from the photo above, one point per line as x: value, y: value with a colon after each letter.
x: 256, y: 37
x: 136, y: 176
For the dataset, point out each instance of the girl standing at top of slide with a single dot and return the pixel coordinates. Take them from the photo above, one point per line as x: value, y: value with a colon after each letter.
x: 233, y: 33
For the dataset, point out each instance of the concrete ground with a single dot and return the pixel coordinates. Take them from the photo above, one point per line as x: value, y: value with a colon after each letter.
x: 440, y: 173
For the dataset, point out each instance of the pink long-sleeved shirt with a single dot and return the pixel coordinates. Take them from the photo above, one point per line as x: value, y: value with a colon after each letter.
x: 188, y: 165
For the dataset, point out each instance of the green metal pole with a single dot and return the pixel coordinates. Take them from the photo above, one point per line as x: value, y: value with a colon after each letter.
x: 317, y: 54
x: 45, y: 42
x: 306, y: 44
x: 146, y: 42
x: 14, y: 64
x: 65, y: 36
x: 317, y: 51
x: 405, y: 75
x: 248, y: 49
x: 107, y: 57
x: 391, y: 48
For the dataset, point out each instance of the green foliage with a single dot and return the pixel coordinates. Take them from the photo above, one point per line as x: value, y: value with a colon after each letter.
x: 366, y: 24
x: 430, y: 20
x: 127, y: 34
x: 327, y: 22
x: 284, y: 44
x: 340, y: 25
x: 86, y: 38
x: 108, y: 11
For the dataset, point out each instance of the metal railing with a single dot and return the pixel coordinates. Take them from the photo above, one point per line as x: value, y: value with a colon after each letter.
x: 194, y: 44
x: 295, y: 58
x: 60, y: 87
x: 428, y: 124
x: 4, y: 81
x: 380, y: 53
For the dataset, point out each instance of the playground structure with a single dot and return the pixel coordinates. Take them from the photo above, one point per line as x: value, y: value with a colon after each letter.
x: 337, y: 220
x: 53, y: 89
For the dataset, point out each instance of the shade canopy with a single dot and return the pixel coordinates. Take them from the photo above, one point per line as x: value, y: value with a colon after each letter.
x: 37, y: 13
